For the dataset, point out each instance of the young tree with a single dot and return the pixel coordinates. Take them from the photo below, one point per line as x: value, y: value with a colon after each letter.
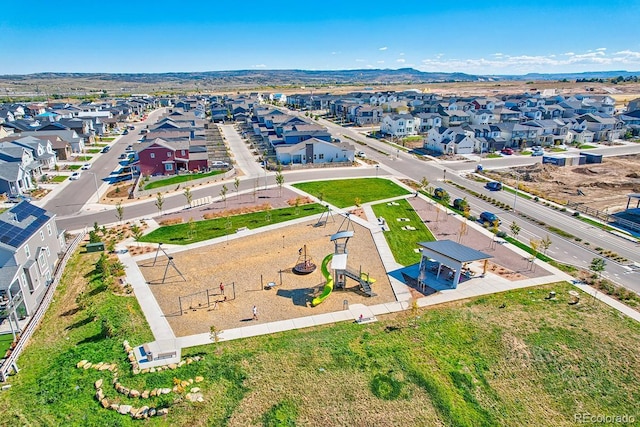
x: 223, y: 194
x: 535, y: 247
x: 137, y: 232
x: 188, y: 195
x: 159, y: 202
x: 597, y: 266
x: 545, y: 244
x: 280, y: 180
x: 119, y: 211
x: 236, y: 185
x: 515, y: 229
x: 192, y: 228
x: 424, y: 183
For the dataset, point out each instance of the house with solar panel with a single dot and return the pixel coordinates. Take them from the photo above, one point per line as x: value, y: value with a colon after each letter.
x: 30, y: 244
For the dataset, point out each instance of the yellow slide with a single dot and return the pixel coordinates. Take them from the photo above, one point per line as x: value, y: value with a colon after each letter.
x: 329, y: 285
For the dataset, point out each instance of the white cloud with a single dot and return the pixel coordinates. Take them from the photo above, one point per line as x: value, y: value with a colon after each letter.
x: 359, y: 60
x: 380, y: 62
x: 498, y: 54
x: 602, y: 49
x: 519, y: 64
x: 400, y: 60
x: 260, y: 66
x: 383, y: 48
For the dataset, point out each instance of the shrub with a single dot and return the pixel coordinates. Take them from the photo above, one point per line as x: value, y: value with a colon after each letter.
x: 576, y: 214
x: 501, y: 234
x: 171, y: 221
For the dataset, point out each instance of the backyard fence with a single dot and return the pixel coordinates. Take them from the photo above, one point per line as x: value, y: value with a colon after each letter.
x: 9, y: 364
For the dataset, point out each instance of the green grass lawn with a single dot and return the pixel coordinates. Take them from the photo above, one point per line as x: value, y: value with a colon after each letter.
x: 74, y: 167
x: 510, y: 359
x: 558, y: 150
x: 93, y: 150
x: 493, y: 156
x: 179, y: 234
x: 5, y: 342
x: 107, y: 138
x: 83, y: 158
x: 586, y: 146
x: 403, y: 242
x: 59, y: 178
x: 343, y: 192
x: 178, y: 179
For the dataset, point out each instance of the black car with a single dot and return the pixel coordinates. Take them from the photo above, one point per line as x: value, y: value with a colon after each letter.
x: 105, y: 149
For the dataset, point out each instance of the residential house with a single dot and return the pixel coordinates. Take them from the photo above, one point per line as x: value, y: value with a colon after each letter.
x: 18, y: 169
x: 603, y: 126
x: 30, y: 245
x: 41, y: 149
x: 399, y: 125
x: 456, y: 140
x: 315, y: 151
x: 160, y: 157
x: 362, y: 115
x: 428, y: 121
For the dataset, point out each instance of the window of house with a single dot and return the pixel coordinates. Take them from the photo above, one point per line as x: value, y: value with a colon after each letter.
x: 321, y: 156
x: 48, y: 251
x: 168, y: 167
x: 42, y: 260
x: 182, y: 152
x: 152, y: 155
x: 168, y: 153
x: 49, y: 229
x: 41, y: 235
x: 27, y: 252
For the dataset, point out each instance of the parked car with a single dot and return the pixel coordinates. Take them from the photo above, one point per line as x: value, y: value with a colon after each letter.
x: 219, y: 164
x: 361, y: 154
x: 18, y: 198
x: 536, y: 153
x: 75, y: 175
x: 439, y: 193
x: 494, y: 186
x: 460, y: 204
x: 105, y: 149
x: 489, y: 217
x: 86, y: 166
x: 506, y: 150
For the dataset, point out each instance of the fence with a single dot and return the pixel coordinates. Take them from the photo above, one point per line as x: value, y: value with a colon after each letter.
x: 604, y: 216
x: 10, y: 362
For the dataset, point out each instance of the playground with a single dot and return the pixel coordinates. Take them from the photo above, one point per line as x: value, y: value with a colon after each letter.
x: 257, y: 270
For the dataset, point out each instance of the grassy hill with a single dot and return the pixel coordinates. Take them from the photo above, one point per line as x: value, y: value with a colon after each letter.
x: 509, y: 359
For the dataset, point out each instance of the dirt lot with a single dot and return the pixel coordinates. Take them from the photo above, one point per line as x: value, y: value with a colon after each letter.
x: 249, y: 263
x: 602, y: 186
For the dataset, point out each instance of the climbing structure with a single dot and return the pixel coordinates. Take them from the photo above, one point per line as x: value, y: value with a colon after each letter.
x: 305, y: 264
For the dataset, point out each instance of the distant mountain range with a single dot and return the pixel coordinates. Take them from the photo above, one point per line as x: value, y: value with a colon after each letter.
x: 265, y: 78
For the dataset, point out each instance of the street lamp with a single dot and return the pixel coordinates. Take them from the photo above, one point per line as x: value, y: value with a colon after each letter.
x: 377, y: 167
x: 444, y: 174
x: 95, y: 180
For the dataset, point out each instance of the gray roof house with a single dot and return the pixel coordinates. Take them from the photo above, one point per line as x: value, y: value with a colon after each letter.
x: 30, y: 244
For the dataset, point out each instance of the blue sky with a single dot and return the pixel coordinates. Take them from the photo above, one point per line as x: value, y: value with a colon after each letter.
x: 478, y: 37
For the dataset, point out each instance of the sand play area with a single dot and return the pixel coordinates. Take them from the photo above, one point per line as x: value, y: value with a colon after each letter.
x: 247, y: 264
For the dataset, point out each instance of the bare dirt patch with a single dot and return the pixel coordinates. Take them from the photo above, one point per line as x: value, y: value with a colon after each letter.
x: 248, y: 264
x: 601, y: 186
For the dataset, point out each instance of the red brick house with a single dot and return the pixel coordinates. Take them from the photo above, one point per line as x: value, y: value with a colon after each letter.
x: 160, y: 157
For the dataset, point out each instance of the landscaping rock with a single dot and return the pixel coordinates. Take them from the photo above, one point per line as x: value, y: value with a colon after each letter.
x: 99, y: 395
x: 195, y: 390
x: 172, y: 366
x: 124, y: 409
x: 133, y: 411
x: 105, y: 403
x: 142, y: 412
x: 87, y: 365
x: 105, y: 367
x: 166, y: 390
x: 98, y: 365
x: 153, y: 393
x: 145, y: 394
x: 136, y: 371
x: 6, y: 387
x: 199, y: 379
x: 152, y: 412
x: 134, y: 393
x: 190, y: 380
x: 145, y: 371
x: 189, y: 361
x: 152, y: 369
x: 115, y: 407
x: 181, y: 363
x: 81, y: 363
x: 98, y: 383
x: 162, y: 411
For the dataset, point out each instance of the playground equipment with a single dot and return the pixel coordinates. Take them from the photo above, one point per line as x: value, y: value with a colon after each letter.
x: 339, y: 265
x: 205, y: 299
x: 169, y: 263
x: 326, y: 215
x: 305, y: 264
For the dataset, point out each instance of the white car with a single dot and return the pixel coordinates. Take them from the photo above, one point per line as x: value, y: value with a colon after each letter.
x: 86, y: 166
x: 219, y: 164
x: 75, y: 175
x: 361, y: 154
